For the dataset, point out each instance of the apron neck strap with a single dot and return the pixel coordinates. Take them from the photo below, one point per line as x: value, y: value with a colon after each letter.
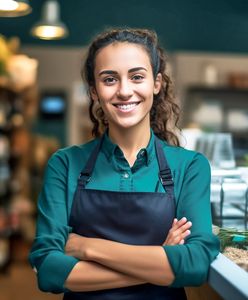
x: 165, y: 175
x: 85, y: 174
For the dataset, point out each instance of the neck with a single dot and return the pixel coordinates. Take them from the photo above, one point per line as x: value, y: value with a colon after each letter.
x: 130, y: 140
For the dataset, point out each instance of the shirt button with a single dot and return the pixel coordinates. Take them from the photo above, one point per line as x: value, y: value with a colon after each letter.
x: 125, y: 175
x: 142, y: 152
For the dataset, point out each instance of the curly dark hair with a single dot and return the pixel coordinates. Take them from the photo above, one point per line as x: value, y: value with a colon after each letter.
x: 164, y: 114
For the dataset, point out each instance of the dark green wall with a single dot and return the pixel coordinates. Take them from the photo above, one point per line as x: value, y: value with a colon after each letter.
x: 205, y: 25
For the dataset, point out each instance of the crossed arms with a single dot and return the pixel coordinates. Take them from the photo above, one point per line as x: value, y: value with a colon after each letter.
x: 106, y: 264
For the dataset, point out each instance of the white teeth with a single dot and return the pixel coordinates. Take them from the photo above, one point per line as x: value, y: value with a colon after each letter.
x: 126, y: 106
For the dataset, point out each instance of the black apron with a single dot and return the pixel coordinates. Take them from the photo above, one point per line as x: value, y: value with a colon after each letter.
x: 135, y: 218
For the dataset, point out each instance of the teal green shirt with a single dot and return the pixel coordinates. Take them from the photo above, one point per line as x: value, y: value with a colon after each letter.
x: 191, y: 173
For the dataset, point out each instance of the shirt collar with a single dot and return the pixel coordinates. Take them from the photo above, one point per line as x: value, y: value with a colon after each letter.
x: 113, y: 150
x: 108, y: 147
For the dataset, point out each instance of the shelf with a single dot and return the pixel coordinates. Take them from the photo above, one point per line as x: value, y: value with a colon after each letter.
x: 216, y: 89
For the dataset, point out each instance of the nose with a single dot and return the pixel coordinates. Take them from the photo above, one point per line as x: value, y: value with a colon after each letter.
x: 125, y: 91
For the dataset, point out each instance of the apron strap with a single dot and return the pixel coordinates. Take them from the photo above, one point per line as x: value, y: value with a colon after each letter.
x: 164, y: 174
x: 85, y: 174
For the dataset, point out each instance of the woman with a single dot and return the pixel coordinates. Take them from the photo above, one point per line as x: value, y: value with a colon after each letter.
x: 108, y: 212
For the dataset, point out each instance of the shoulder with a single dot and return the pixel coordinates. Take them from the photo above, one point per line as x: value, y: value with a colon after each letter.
x: 179, y: 157
x: 72, y: 154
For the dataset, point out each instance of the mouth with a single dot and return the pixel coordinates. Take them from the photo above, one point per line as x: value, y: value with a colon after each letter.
x: 126, y: 107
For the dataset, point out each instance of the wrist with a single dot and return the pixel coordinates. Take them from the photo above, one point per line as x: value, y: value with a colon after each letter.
x: 98, y: 250
x: 91, y: 249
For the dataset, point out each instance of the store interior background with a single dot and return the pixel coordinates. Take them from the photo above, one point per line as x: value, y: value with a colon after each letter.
x: 207, y: 47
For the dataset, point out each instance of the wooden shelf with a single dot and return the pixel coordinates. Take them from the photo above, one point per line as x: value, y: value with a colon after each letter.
x: 216, y: 89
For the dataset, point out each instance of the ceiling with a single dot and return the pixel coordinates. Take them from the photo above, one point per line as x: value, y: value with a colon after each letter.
x: 198, y: 25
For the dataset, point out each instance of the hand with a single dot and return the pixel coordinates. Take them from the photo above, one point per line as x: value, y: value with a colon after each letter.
x: 77, y: 246
x: 178, y: 232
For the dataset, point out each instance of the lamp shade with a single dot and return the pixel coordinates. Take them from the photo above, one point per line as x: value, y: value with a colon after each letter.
x: 50, y: 27
x: 14, y: 8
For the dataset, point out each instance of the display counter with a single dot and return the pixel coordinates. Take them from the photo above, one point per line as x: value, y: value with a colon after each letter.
x: 228, y: 279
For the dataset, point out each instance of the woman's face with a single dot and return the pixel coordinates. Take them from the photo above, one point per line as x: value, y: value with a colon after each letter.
x: 124, y: 85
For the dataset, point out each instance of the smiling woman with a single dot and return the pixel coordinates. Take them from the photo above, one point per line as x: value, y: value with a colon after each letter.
x: 164, y: 109
x: 127, y: 215
x: 124, y: 87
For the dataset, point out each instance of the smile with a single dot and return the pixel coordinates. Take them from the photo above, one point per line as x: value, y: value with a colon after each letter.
x: 126, y: 107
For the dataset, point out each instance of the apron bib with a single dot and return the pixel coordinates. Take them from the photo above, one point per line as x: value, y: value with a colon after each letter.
x: 135, y: 218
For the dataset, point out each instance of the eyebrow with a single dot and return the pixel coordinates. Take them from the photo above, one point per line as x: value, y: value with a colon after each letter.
x: 110, y: 72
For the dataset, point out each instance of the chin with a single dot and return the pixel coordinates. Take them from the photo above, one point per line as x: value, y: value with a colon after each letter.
x: 130, y: 125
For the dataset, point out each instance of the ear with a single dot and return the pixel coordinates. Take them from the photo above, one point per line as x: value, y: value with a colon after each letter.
x: 157, y: 84
x: 93, y: 93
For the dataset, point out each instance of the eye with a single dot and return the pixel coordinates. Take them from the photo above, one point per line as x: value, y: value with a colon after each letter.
x: 109, y: 80
x: 137, y: 77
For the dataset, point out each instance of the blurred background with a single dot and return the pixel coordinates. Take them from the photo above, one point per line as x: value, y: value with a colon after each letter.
x: 43, y: 102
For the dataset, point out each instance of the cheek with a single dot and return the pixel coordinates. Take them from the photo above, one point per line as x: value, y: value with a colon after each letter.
x: 147, y: 92
x: 105, y: 94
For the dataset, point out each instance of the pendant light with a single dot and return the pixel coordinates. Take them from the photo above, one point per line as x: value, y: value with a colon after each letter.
x: 14, y: 8
x: 50, y: 27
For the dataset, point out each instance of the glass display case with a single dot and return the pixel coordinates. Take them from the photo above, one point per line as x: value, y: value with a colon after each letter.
x: 219, y: 109
x: 220, y: 114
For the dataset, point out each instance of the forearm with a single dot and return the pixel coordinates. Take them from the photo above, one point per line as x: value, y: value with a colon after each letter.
x: 148, y: 263
x: 91, y: 276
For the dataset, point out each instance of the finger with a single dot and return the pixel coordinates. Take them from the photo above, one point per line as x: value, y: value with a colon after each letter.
x: 183, y: 228
x: 186, y: 226
x: 178, y: 231
x: 173, y: 226
x: 176, y: 236
x: 179, y: 240
x: 174, y: 222
x: 181, y: 222
x: 185, y: 234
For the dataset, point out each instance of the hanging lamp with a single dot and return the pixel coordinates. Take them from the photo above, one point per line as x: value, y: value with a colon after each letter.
x: 14, y: 8
x: 50, y: 27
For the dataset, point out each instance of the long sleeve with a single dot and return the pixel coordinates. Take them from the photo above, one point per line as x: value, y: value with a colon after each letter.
x: 190, y: 262
x: 47, y: 255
